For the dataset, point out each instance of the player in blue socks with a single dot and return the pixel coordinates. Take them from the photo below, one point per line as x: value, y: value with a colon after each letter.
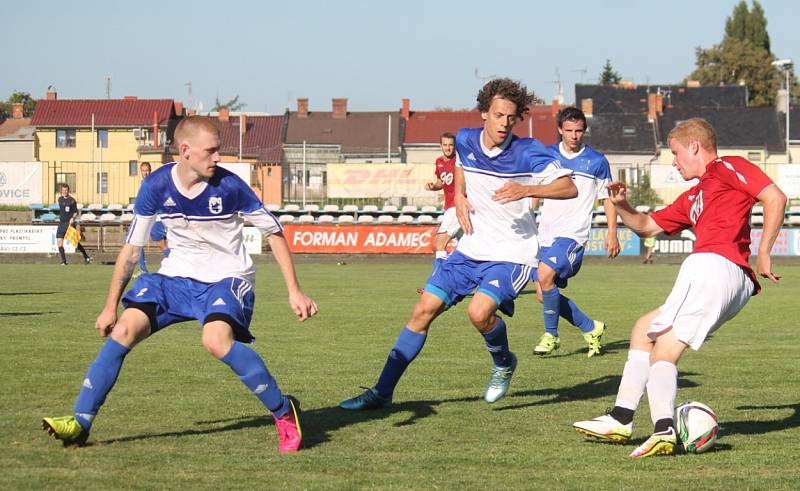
x: 564, y: 229
x: 208, y: 205
x: 498, y: 172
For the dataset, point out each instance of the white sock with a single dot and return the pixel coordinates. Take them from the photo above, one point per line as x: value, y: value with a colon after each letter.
x: 662, y: 388
x: 634, y: 379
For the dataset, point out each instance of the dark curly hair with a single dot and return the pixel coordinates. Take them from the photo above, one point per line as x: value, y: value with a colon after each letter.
x: 508, y: 89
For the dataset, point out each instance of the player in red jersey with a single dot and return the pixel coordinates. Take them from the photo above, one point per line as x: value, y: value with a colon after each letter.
x: 445, y: 171
x: 714, y: 283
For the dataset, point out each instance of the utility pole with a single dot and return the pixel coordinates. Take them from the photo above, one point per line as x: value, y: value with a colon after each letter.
x: 108, y: 86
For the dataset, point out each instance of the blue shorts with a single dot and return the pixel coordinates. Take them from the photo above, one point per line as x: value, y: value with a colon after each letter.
x: 564, y: 256
x: 183, y: 299
x: 460, y: 275
x: 158, y: 232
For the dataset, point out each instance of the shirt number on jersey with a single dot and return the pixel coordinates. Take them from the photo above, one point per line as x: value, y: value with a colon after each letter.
x: 446, y: 178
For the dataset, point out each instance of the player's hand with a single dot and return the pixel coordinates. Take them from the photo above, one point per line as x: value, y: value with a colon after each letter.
x: 617, y: 192
x: 430, y: 186
x: 612, y: 246
x: 105, y: 322
x: 511, y: 191
x: 463, y: 209
x: 764, y: 268
x: 302, y: 305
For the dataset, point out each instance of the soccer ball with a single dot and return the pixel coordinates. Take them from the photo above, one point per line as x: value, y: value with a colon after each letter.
x: 697, y: 426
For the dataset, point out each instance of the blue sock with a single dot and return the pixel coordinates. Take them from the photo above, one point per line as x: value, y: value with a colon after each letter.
x: 574, y: 315
x: 142, y: 262
x: 99, y: 380
x: 497, y: 343
x: 550, y: 302
x: 406, y: 348
x: 254, y: 374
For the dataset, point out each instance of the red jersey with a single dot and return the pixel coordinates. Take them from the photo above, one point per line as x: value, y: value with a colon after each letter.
x: 718, y: 208
x: 445, y: 172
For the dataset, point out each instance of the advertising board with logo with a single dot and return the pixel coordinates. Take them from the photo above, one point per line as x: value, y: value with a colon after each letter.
x: 20, y: 183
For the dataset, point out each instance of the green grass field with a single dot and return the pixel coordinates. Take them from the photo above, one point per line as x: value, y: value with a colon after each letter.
x: 177, y: 418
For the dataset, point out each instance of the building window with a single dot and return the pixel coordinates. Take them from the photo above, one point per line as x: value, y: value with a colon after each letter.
x: 102, y: 182
x: 754, y: 156
x: 269, y: 171
x: 65, y: 138
x: 67, y: 178
x: 102, y: 138
x: 628, y: 131
x: 133, y: 168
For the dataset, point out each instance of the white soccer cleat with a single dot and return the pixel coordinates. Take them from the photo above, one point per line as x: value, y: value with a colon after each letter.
x: 604, y: 428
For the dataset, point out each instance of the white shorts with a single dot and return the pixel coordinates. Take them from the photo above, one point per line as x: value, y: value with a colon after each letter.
x: 709, y: 291
x: 449, y: 225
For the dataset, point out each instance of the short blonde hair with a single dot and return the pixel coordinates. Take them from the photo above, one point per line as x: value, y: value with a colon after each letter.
x: 192, y: 125
x: 697, y: 129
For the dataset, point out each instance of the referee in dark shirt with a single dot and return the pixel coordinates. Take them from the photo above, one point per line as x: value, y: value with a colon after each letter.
x: 67, y: 211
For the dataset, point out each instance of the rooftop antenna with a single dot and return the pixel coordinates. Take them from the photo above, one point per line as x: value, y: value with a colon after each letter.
x: 189, y: 90
x: 582, y: 71
x: 108, y: 86
x: 559, y: 87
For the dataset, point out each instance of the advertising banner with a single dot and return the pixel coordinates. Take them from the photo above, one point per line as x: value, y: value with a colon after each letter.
x: 596, y: 245
x: 789, y: 180
x: 20, y: 183
x: 379, y: 181
x: 30, y: 239
x: 361, y: 239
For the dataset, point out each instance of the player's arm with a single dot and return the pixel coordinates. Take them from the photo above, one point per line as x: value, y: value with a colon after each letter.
x: 612, y: 242
x: 127, y: 259
x: 643, y: 225
x: 301, y: 304
x: 461, y: 203
x: 560, y: 188
x: 774, y: 202
x: 435, y: 185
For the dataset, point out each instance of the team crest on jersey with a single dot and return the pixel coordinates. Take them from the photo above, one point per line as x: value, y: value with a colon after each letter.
x: 697, y: 208
x: 215, y: 205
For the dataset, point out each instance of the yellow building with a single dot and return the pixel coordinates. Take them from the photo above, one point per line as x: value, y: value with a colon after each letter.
x: 96, y: 145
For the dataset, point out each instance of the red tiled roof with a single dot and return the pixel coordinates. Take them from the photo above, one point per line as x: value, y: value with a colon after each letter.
x: 427, y: 126
x: 107, y: 112
x: 262, y: 140
x: 11, y: 126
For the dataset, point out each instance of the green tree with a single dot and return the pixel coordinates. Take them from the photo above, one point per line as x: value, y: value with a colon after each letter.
x: 609, y: 76
x: 231, y: 105
x: 743, y: 57
x: 28, y: 104
x: 643, y: 194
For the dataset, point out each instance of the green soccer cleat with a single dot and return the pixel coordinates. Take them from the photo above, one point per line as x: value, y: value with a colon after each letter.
x: 592, y: 338
x: 369, y: 399
x: 662, y: 443
x: 547, y: 344
x: 499, y: 381
x: 67, y: 429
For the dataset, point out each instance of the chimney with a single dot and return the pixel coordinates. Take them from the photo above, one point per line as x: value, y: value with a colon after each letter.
x: 178, y: 108
x: 555, y: 106
x: 155, y: 128
x: 52, y: 95
x: 406, y: 109
x: 130, y: 98
x: 651, y: 107
x: 587, y: 106
x: 660, y: 104
x: 693, y: 83
x: 224, y: 114
x: 242, y: 124
x: 16, y: 110
x: 340, y: 108
x: 192, y: 112
x: 302, y: 108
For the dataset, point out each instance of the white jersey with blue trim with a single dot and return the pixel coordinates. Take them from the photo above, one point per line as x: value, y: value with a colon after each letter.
x: 204, y: 225
x: 572, y: 218
x: 502, y: 232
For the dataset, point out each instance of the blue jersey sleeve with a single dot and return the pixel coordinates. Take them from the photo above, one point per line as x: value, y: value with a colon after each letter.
x: 540, y: 158
x: 146, y: 203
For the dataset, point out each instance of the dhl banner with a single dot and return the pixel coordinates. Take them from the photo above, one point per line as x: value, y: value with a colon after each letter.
x: 379, y: 181
x: 361, y: 239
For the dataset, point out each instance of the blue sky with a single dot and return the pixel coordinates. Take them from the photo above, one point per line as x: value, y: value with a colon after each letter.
x: 373, y: 52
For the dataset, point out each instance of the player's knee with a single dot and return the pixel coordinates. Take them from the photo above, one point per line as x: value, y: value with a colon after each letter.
x: 216, y: 343
x: 128, y: 333
x: 422, y: 316
x: 480, y: 317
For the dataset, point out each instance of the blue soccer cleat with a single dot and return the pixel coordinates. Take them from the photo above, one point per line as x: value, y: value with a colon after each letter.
x: 499, y: 381
x: 369, y: 399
